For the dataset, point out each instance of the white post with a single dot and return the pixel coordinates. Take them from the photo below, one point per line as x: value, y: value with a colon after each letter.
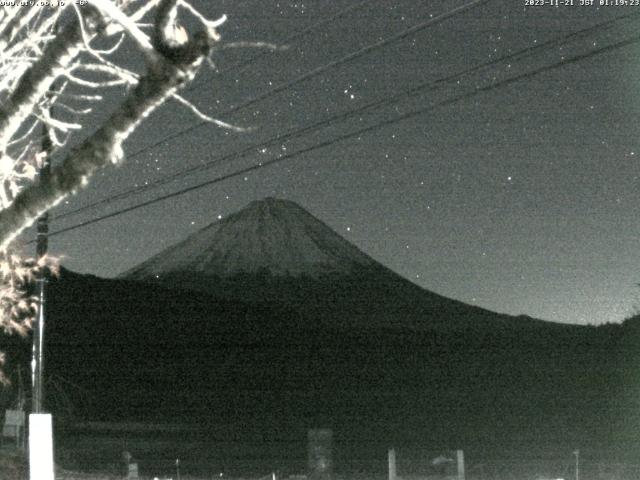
x: 40, y: 447
x: 577, y: 454
x: 392, y: 464
x: 460, y: 457
x: 132, y: 471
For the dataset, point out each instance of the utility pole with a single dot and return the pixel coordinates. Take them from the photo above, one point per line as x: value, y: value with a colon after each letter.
x: 37, y: 357
x: 41, y: 466
x: 577, y: 454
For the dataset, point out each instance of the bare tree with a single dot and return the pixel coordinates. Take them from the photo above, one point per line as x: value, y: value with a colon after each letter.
x: 48, y: 56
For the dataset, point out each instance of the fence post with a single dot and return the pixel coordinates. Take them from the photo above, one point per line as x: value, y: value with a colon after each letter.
x: 392, y: 464
x: 460, y: 458
x: 320, y: 453
x: 132, y: 471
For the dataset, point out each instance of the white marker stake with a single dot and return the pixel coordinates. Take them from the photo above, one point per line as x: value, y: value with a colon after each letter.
x: 40, y: 447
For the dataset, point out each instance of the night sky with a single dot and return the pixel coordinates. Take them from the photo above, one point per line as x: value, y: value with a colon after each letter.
x: 520, y: 199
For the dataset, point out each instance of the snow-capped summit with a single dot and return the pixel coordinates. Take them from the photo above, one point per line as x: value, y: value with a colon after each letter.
x: 275, y: 236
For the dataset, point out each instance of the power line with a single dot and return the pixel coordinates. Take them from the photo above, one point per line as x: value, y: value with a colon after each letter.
x: 360, y: 132
x: 317, y: 71
x: 419, y: 89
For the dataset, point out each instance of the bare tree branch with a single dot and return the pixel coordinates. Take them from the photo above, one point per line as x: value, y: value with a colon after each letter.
x: 173, y: 65
x: 37, y: 80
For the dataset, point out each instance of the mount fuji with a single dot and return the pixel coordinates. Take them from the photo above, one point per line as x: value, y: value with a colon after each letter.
x: 273, y: 250
x: 272, y: 235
